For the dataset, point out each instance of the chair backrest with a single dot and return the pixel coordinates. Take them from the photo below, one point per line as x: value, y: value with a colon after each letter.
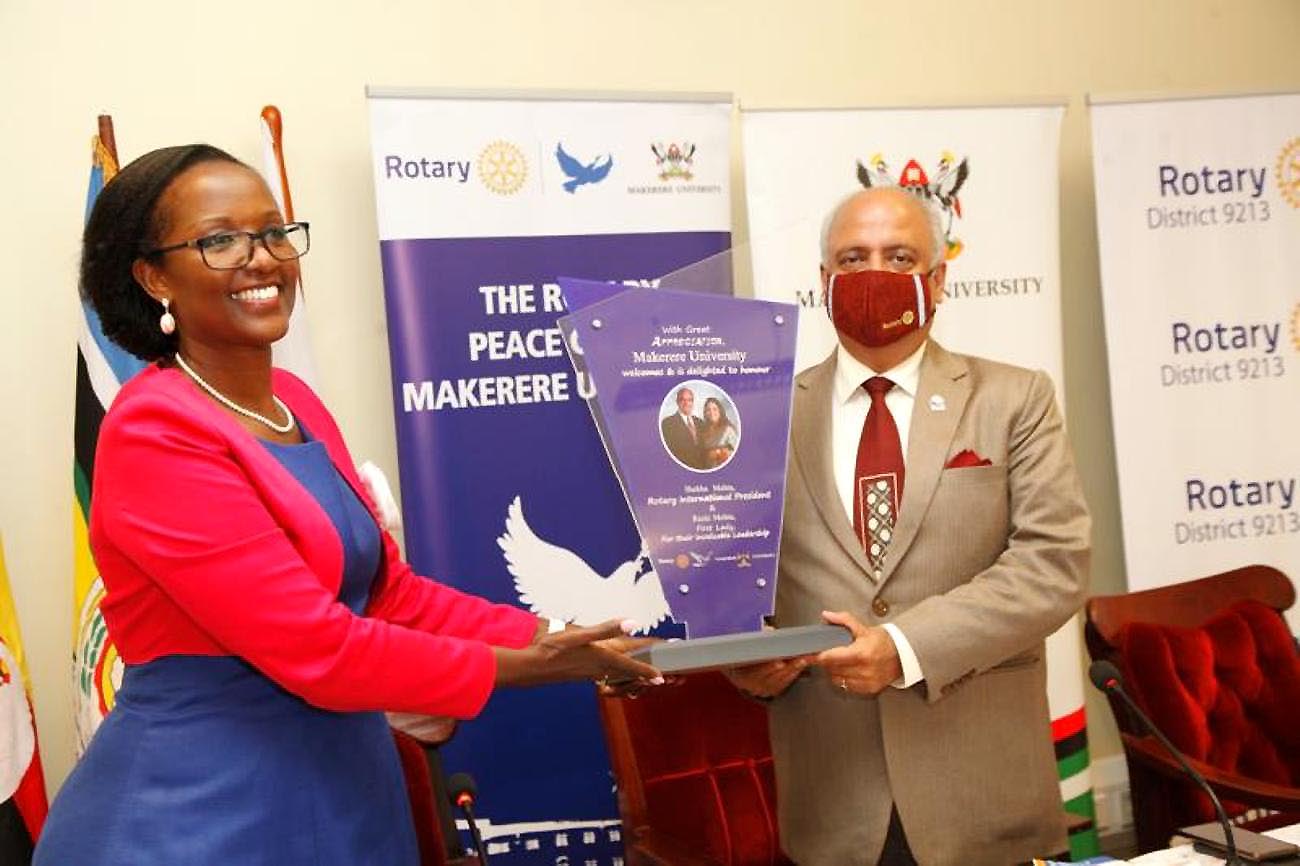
x: 1186, y: 604
x: 435, y: 829
x: 1212, y: 662
x: 693, y: 763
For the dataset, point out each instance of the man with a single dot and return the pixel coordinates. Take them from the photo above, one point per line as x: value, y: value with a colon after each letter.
x: 932, y: 507
x: 683, y: 431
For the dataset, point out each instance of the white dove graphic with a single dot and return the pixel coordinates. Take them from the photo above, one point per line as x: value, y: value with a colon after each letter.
x: 555, y: 582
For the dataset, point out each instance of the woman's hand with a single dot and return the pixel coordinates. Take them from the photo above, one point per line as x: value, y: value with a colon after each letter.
x: 598, y: 652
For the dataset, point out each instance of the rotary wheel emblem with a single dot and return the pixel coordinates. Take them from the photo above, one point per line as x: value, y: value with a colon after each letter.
x: 502, y: 168
x: 1288, y: 172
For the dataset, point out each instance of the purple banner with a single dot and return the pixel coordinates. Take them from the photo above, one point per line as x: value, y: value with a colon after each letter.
x: 507, y: 493
x: 693, y: 402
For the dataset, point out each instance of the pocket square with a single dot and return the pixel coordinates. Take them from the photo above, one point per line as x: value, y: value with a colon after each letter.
x: 966, y: 459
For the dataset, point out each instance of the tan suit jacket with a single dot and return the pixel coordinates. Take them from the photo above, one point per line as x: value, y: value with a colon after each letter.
x: 985, y: 563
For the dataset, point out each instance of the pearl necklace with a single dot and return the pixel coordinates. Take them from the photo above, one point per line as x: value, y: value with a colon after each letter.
x: 235, y: 407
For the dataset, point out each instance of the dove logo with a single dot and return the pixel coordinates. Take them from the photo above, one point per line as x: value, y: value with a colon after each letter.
x: 579, y: 174
x: 555, y: 582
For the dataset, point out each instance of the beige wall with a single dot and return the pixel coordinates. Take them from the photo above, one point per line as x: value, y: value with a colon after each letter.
x: 174, y: 72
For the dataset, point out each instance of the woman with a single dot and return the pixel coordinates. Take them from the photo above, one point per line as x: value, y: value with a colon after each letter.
x: 719, y: 436
x: 264, y: 618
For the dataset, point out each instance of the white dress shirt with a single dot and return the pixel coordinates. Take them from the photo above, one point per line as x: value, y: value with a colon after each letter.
x: 849, y: 406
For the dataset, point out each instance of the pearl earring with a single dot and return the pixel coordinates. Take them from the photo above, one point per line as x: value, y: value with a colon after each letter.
x: 167, y: 322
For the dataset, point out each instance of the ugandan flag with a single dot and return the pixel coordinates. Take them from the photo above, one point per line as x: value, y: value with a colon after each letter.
x: 22, y: 784
x: 1070, y: 736
x: 102, y: 369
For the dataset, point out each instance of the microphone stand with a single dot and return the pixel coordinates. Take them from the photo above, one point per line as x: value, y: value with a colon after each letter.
x: 1106, y: 677
x: 463, y: 791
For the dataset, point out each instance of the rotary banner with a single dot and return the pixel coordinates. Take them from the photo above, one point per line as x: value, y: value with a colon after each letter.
x: 483, y: 201
x: 993, y: 175
x: 1198, y: 212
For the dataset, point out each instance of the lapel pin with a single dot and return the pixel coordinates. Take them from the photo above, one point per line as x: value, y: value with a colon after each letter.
x: 937, y: 403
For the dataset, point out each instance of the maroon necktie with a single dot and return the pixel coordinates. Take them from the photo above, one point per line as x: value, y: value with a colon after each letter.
x: 878, y: 481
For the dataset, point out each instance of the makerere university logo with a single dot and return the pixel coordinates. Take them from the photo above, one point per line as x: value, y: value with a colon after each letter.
x: 1288, y: 172
x: 674, y: 161
x: 502, y: 168
x: 950, y: 177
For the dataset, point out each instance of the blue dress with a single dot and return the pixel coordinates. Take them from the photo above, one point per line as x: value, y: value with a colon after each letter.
x: 204, y: 761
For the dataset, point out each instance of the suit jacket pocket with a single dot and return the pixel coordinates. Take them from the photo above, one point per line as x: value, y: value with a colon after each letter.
x: 1018, y: 662
x: 996, y: 473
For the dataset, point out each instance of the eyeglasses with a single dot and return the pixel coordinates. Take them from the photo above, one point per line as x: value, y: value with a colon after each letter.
x: 229, y: 251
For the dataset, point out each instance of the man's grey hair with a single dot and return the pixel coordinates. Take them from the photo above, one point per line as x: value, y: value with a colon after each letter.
x: 938, y: 237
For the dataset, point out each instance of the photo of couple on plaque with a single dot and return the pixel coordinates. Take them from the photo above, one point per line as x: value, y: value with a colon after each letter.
x: 702, y: 439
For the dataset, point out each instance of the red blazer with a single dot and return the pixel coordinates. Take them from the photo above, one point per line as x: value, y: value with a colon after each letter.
x: 208, y: 546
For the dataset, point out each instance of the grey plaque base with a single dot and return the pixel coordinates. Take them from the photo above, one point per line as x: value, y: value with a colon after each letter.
x: 736, y: 650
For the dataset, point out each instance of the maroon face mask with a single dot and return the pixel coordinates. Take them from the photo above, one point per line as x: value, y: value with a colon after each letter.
x: 877, y: 308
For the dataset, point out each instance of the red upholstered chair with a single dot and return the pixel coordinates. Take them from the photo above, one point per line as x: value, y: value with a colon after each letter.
x: 1212, y: 662
x: 694, y: 774
x: 434, y: 830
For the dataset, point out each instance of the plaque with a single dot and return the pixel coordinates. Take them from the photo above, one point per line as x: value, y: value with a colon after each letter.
x: 692, y: 397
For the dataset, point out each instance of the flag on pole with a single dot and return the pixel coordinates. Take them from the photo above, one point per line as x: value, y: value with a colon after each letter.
x: 22, y: 784
x: 102, y: 368
x: 293, y: 351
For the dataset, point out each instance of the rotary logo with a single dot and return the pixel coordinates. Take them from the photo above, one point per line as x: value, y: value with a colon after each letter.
x: 1288, y: 172
x: 502, y: 168
x: 674, y: 161
x: 949, y: 178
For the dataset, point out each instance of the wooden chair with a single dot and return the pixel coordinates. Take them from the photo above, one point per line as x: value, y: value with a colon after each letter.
x: 435, y: 829
x: 694, y: 774
x: 1212, y: 662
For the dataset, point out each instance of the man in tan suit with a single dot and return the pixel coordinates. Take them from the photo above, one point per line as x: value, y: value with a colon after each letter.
x: 927, y: 740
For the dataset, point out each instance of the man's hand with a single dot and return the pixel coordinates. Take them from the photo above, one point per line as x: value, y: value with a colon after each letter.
x: 868, y: 665
x: 768, y: 679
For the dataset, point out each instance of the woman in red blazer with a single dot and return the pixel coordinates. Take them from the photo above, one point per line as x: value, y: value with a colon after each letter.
x: 265, y: 619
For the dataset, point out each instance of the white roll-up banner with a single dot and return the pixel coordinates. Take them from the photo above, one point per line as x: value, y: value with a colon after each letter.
x: 1198, y: 219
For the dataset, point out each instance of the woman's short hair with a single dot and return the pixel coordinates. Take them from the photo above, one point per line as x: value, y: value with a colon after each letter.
x: 124, y: 224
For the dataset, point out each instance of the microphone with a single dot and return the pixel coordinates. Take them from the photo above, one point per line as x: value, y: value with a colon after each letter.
x: 1106, y: 677
x: 462, y: 791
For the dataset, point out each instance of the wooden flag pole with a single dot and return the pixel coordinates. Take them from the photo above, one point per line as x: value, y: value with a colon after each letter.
x: 271, y: 115
x: 106, y: 136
